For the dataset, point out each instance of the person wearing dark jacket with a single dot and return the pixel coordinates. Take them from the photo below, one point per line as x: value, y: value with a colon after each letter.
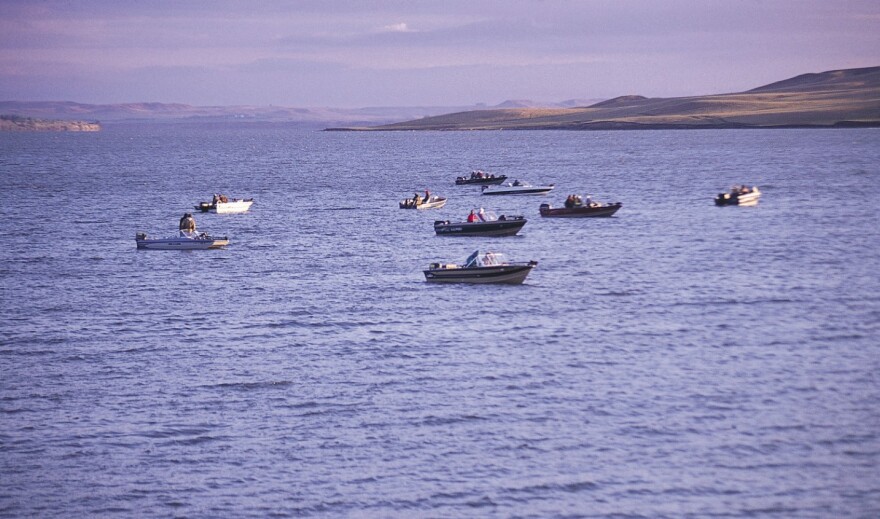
x: 187, y: 224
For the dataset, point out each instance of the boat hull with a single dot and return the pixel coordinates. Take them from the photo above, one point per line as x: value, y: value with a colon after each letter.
x: 506, y: 227
x: 518, y: 190
x: 510, y: 274
x: 180, y: 243
x: 579, y: 212
x: 236, y: 206
x: 741, y: 199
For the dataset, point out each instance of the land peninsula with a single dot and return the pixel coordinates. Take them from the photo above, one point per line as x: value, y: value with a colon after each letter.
x: 15, y: 123
x: 833, y: 99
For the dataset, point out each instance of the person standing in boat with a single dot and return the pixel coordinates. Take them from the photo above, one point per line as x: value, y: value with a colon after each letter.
x: 416, y: 200
x: 427, y: 196
x: 187, y: 225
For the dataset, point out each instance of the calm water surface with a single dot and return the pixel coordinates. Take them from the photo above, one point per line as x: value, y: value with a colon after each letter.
x: 677, y: 360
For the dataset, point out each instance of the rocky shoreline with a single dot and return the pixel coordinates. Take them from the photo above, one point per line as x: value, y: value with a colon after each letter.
x: 14, y: 123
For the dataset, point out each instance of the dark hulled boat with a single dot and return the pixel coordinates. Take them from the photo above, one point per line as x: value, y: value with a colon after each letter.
x: 502, y: 226
x: 489, y: 267
x: 582, y: 211
x: 516, y: 188
x: 480, y: 179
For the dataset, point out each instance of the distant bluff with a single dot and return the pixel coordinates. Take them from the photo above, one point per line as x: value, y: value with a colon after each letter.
x: 15, y: 123
x: 834, y: 99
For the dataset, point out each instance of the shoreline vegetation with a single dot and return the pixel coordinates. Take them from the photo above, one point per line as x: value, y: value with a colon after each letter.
x: 16, y: 123
x: 835, y: 99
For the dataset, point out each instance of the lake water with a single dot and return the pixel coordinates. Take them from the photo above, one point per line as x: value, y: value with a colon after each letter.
x: 677, y: 360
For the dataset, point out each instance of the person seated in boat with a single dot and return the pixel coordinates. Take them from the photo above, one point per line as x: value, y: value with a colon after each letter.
x: 569, y: 201
x: 223, y: 199
x: 517, y: 183
x: 187, y: 225
x: 472, y: 217
x: 481, y: 214
x: 577, y: 201
x: 416, y: 200
x: 588, y: 201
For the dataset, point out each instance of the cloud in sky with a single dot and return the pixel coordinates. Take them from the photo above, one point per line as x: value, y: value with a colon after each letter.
x: 352, y: 53
x: 398, y: 27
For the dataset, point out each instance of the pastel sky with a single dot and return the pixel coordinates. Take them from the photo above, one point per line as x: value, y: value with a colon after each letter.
x: 349, y: 53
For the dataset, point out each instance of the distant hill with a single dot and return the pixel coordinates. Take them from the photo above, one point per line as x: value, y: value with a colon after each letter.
x: 837, y: 98
x: 15, y: 123
x: 306, y: 117
x: 184, y: 113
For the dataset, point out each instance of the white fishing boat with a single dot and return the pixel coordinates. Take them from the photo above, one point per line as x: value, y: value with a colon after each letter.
x: 431, y: 202
x: 517, y: 187
x: 739, y: 195
x: 183, y: 241
x: 223, y: 205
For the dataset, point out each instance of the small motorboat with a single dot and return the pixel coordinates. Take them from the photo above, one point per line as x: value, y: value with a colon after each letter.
x: 739, y: 195
x: 183, y: 241
x: 222, y: 205
x: 484, y: 224
x: 517, y: 188
x: 433, y: 202
x: 577, y: 207
x: 480, y: 178
x: 480, y: 267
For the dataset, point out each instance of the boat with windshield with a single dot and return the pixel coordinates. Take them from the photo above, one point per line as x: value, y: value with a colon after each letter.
x: 576, y: 206
x: 222, y: 204
x: 429, y: 201
x: 185, y: 240
x: 517, y: 187
x: 480, y: 267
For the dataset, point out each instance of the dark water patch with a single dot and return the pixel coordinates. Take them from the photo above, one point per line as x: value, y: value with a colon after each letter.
x: 251, y: 386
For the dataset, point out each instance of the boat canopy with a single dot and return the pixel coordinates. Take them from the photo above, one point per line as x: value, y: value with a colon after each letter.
x: 484, y: 259
x: 485, y: 216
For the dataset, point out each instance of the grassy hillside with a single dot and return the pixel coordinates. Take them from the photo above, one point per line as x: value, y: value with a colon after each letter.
x: 829, y: 99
